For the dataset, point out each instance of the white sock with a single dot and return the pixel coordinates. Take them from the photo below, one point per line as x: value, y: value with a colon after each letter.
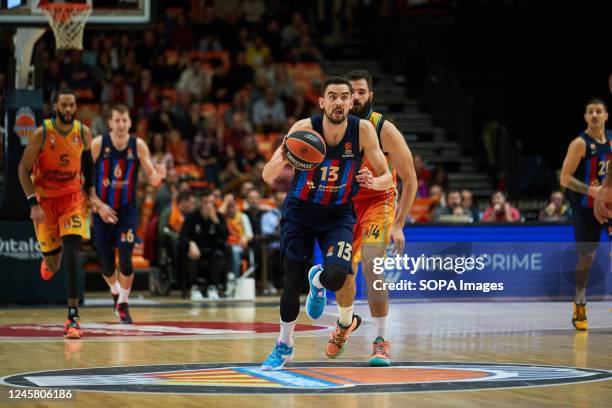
x: 346, y: 315
x: 123, y: 295
x: 315, y: 280
x: 286, y: 332
x: 581, y: 296
x: 381, y: 326
x: 114, y: 288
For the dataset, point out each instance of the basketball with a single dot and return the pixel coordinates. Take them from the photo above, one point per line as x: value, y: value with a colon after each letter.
x: 304, y: 149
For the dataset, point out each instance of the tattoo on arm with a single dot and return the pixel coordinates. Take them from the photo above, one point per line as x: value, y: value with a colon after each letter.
x: 577, y: 186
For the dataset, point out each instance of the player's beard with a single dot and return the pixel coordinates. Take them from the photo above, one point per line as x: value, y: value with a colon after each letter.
x: 64, y: 118
x: 335, y: 121
x: 361, y: 110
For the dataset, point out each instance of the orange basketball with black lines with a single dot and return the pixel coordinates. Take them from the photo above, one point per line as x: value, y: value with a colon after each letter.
x: 304, y: 149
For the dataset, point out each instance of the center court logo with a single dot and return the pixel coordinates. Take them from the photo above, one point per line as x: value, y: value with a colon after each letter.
x: 306, y: 378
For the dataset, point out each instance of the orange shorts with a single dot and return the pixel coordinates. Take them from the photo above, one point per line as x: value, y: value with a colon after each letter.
x: 375, y: 218
x: 64, y: 215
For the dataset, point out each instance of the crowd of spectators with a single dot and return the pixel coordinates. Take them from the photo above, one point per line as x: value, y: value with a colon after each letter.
x: 213, y: 94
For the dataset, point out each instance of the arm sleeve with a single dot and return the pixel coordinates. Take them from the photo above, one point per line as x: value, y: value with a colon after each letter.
x: 88, y: 169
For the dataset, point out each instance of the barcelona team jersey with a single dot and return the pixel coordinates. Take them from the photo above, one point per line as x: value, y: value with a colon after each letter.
x: 333, y: 181
x: 116, y: 172
x: 377, y: 119
x: 592, y: 168
x: 57, y: 169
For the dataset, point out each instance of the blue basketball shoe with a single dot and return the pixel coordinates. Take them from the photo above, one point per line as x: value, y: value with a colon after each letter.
x: 281, y: 353
x: 315, y: 303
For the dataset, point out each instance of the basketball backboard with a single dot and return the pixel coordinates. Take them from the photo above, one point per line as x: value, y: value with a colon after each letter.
x: 104, y: 12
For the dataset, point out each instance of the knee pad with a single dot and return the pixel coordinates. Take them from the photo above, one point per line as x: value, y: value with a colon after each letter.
x: 333, y: 276
x: 125, y: 260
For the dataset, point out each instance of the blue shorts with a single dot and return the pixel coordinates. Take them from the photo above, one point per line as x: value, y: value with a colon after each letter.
x: 331, y: 226
x: 107, y: 237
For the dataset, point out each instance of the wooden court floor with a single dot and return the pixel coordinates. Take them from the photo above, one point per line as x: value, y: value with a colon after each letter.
x: 531, y: 334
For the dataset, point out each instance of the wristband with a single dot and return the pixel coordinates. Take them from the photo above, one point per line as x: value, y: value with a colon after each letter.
x: 33, y: 201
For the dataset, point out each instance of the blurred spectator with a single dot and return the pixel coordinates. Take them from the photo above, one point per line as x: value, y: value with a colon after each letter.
x: 297, y: 106
x: 305, y: 51
x: 159, y: 152
x: 178, y: 147
x: 240, y: 74
x: 182, y: 35
x: 163, y: 120
x: 194, y: 81
x: 291, y: 33
x: 269, y: 113
x: 169, y: 227
x: 221, y: 84
x: 235, y: 133
x: 205, y: 152
x: 181, y: 113
x: 148, y: 49
x: 249, y: 157
x: 257, y: 52
x: 437, y: 200
x: 99, y: 124
x: 75, y: 73
x: 254, y: 210
x: 500, y: 210
x: 240, y: 103
x: 118, y: 92
x: 556, y: 210
x: 240, y: 232
x: 270, y: 229
x: 439, y: 177
x: 423, y: 176
x: 204, y: 234
x: 467, y: 202
x: 452, y: 208
x: 167, y: 191
x: 52, y: 78
x: 146, y: 94
x: 131, y: 69
x: 272, y: 37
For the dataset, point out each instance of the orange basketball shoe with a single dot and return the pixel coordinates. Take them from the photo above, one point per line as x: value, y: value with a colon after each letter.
x: 337, y: 340
x: 72, y: 329
x: 45, y: 273
x: 579, y: 319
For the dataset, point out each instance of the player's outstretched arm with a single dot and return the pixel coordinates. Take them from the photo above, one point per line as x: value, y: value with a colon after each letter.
x: 401, y: 158
x: 369, y: 143
x: 274, y: 167
x: 155, y: 174
x: 576, y: 150
x: 25, y: 169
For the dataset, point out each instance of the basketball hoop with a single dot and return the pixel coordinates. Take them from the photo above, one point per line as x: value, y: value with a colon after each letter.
x: 67, y: 20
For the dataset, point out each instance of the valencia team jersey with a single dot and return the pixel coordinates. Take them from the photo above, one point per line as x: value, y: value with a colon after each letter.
x: 333, y: 181
x: 116, y: 172
x: 592, y: 168
x: 57, y: 170
x: 377, y: 119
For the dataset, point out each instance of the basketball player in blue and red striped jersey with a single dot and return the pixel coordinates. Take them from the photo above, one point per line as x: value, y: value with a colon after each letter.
x: 118, y: 156
x: 584, y: 169
x: 319, y: 207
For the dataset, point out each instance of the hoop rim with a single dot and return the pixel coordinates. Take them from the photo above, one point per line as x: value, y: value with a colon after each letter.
x: 74, y: 7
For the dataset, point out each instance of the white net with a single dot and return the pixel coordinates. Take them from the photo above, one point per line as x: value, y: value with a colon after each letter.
x: 67, y: 20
